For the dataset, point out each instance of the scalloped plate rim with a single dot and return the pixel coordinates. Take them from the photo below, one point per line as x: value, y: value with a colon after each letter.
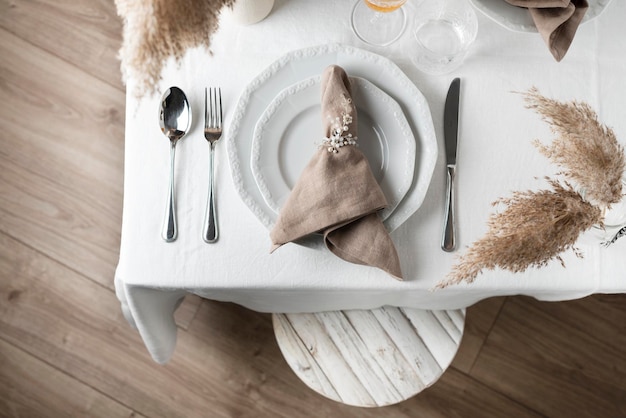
x: 364, y: 88
x: 518, y: 20
x: 377, y: 69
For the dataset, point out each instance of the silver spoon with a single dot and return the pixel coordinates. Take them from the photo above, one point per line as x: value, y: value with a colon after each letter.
x: 174, y: 120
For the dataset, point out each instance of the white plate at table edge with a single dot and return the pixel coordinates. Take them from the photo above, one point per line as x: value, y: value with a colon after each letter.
x: 390, y: 131
x: 518, y: 19
x: 299, y: 64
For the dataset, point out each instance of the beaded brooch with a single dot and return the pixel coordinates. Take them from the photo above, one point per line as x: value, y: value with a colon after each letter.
x: 339, y: 127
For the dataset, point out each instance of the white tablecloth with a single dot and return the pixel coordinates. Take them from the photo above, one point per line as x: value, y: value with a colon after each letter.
x: 495, y: 155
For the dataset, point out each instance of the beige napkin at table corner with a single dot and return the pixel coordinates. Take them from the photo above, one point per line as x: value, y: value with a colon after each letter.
x: 337, y: 193
x: 556, y: 21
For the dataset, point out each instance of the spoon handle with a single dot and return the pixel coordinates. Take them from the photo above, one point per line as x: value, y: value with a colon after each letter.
x: 210, y: 232
x: 170, y: 231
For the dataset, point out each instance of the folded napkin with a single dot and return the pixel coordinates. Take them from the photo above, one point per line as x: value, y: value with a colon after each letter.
x: 556, y: 21
x: 337, y: 194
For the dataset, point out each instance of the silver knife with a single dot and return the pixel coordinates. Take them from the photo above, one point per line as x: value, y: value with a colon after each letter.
x: 450, y: 132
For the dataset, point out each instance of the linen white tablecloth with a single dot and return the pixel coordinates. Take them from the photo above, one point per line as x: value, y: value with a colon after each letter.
x: 495, y: 157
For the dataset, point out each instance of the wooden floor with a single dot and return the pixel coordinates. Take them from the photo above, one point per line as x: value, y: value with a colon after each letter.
x: 65, y: 349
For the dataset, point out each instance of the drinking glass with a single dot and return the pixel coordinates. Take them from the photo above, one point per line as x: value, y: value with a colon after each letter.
x: 378, y: 22
x: 444, y: 31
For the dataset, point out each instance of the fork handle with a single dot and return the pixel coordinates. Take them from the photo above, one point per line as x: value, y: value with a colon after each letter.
x: 210, y: 232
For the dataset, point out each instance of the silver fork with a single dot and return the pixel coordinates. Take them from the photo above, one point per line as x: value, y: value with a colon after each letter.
x: 212, y: 133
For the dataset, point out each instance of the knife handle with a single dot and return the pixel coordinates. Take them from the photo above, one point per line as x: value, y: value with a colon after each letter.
x: 448, y: 241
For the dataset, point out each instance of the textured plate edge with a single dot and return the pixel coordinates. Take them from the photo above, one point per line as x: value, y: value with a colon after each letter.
x: 364, y: 85
x: 596, y: 10
x: 427, y: 130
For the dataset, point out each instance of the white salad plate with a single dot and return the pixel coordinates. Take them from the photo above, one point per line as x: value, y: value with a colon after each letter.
x: 518, y: 19
x: 303, y: 64
x: 289, y: 132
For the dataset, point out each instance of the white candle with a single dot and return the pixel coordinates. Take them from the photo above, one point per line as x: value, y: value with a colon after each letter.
x: 247, y: 12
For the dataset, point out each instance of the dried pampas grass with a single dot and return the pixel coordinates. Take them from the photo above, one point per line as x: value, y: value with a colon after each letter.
x: 536, y: 227
x: 155, y: 30
x: 587, y: 151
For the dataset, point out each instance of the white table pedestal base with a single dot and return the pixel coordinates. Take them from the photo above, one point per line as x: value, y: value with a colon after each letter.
x: 370, y: 358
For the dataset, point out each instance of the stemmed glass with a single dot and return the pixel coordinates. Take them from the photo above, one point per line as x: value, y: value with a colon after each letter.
x: 378, y: 22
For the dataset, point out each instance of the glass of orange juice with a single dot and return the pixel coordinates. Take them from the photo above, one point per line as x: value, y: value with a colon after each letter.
x: 378, y: 22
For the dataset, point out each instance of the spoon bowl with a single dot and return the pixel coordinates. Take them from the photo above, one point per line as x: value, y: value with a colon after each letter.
x: 174, y: 120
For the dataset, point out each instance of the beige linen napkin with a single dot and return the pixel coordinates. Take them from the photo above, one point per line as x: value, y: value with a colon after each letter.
x: 337, y: 193
x: 556, y: 21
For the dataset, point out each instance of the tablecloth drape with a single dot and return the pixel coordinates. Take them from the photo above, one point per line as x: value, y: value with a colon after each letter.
x: 495, y: 157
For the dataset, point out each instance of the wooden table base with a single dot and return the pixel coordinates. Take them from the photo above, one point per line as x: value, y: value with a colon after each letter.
x: 370, y: 358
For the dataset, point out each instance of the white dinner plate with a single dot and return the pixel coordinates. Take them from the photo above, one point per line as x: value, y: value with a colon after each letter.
x: 518, y: 19
x: 290, y: 131
x: 305, y: 63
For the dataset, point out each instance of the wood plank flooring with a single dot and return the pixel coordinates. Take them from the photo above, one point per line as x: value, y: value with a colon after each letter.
x: 66, y: 350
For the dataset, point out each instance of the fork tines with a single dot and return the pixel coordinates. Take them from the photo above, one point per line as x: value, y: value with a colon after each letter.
x: 213, y: 108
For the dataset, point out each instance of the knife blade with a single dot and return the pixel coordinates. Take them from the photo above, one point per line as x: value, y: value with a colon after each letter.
x: 451, y: 133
